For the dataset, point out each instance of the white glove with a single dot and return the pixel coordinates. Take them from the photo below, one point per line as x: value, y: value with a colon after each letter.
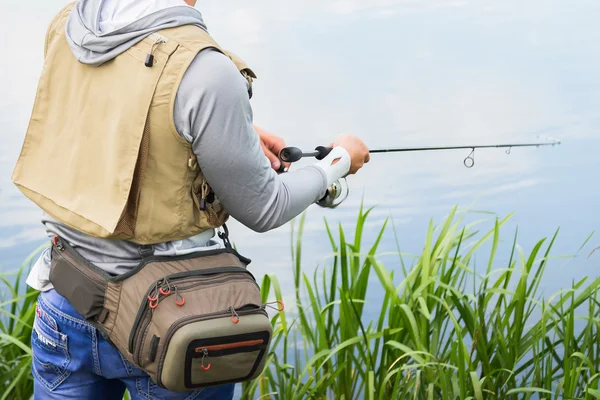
x: 337, y: 170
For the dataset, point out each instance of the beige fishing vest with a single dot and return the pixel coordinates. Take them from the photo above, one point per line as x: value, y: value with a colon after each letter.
x: 102, y: 154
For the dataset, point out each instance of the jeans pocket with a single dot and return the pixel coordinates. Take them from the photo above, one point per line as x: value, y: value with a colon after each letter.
x: 50, y: 350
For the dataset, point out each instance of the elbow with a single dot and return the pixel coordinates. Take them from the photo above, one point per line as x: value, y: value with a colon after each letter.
x: 266, y: 221
x: 263, y: 226
x: 260, y: 228
x: 268, y: 213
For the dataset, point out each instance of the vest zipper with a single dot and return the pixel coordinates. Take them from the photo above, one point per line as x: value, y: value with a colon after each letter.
x: 150, y: 56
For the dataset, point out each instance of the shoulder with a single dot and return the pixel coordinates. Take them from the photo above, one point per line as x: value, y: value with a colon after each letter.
x: 56, y: 23
x: 212, y: 92
x: 214, y: 73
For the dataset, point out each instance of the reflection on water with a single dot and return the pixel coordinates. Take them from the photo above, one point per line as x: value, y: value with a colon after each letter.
x: 397, y: 73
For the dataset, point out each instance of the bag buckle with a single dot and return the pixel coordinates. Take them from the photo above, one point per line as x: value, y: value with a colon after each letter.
x: 146, y: 250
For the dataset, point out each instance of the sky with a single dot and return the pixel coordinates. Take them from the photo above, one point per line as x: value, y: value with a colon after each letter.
x: 395, y: 73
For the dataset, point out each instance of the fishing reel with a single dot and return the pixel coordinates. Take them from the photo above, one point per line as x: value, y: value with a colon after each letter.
x: 337, y: 192
x: 333, y: 194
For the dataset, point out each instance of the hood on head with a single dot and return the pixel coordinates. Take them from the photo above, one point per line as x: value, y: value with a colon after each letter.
x: 99, y: 30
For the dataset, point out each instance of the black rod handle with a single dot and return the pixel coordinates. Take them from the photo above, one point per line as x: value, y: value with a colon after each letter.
x: 290, y: 154
x: 322, y: 152
x: 293, y: 154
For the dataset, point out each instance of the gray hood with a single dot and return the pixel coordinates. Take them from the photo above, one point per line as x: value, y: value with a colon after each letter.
x: 93, y: 47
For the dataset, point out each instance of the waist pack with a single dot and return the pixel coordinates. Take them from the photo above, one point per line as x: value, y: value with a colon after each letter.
x: 190, y: 322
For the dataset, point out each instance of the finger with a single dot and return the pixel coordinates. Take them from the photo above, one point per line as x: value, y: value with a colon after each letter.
x: 274, y: 143
x: 273, y: 158
x: 275, y: 148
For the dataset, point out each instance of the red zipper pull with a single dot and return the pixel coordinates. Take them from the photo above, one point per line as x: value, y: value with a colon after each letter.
x: 153, y: 298
x: 205, y: 354
x: 278, y: 302
x: 235, y: 318
x: 179, y: 299
x: 168, y: 285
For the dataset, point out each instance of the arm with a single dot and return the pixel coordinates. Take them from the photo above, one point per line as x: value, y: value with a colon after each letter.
x: 213, y: 112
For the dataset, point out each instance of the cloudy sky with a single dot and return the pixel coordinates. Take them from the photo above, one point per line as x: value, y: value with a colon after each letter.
x: 395, y: 73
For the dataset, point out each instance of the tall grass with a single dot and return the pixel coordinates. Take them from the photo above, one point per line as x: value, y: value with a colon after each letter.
x: 17, y: 310
x: 438, y: 331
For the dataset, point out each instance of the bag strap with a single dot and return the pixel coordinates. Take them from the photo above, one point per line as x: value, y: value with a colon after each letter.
x: 224, y: 235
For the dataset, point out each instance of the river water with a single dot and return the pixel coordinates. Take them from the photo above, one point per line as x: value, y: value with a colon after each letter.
x: 395, y: 73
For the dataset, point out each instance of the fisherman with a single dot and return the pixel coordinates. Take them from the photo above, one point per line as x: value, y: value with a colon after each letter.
x: 141, y: 142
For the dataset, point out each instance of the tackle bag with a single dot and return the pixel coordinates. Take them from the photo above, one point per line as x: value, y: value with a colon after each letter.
x: 190, y: 321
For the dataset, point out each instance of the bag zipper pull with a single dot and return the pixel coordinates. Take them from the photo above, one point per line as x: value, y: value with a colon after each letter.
x: 235, y: 318
x: 179, y: 299
x: 153, y: 296
x: 166, y: 284
x: 205, y: 354
x: 270, y: 305
x: 57, y: 243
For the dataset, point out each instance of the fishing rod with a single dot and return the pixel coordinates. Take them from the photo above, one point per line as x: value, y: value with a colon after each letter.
x: 293, y: 154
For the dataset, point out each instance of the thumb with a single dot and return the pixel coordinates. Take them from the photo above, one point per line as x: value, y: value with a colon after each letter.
x: 273, y: 158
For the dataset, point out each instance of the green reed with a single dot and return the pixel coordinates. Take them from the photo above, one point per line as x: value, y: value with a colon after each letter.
x: 442, y: 331
x: 17, y: 311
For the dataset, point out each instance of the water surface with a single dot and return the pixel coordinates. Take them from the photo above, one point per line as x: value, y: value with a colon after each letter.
x: 396, y: 73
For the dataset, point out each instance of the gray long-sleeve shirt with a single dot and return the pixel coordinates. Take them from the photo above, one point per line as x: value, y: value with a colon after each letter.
x: 213, y: 112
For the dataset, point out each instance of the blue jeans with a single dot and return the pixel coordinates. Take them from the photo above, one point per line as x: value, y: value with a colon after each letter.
x: 71, y: 360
